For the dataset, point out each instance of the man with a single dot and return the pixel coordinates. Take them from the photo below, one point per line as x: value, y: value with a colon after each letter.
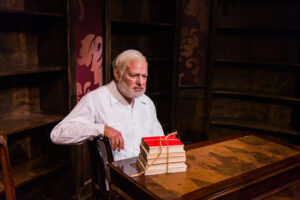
x: 119, y: 110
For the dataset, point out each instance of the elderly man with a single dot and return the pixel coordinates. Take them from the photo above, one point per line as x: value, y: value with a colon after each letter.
x: 119, y: 110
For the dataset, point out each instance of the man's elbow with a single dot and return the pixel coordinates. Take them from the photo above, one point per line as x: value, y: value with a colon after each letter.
x: 63, y: 140
x: 54, y: 138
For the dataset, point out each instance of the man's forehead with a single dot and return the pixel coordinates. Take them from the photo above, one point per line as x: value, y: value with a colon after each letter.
x: 134, y: 61
x: 137, y: 65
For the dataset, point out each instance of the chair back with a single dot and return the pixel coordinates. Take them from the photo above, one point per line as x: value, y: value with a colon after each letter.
x: 100, y: 155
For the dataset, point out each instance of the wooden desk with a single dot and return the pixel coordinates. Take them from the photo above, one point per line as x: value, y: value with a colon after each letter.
x: 237, y: 167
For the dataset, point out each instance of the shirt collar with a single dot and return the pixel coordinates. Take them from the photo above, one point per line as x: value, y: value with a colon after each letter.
x: 116, y: 97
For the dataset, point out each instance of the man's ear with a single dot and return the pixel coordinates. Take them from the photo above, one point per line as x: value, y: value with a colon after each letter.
x: 116, y: 74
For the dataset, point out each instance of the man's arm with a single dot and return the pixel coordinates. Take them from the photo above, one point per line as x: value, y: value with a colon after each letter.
x: 115, y: 137
x: 78, y: 126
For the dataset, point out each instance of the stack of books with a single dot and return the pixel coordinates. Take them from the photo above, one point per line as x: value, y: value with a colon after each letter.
x: 157, y: 157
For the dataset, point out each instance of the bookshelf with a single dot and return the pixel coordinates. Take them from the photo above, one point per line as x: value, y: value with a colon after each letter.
x: 34, y: 91
x: 255, y: 69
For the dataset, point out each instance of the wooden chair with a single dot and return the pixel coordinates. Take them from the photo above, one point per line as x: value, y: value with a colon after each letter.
x: 100, y: 155
x: 9, y: 186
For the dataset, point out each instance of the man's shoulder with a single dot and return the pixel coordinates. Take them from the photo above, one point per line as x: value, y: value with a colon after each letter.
x: 102, y: 90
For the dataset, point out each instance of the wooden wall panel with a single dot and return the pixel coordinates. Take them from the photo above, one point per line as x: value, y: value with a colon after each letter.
x: 192, y: 81
x: 194, y: 42
x: 189, y: 116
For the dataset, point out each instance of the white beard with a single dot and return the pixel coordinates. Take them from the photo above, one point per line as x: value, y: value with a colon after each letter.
x: 128, y: 92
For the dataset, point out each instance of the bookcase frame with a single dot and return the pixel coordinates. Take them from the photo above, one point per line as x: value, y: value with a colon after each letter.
x: 34, y: 93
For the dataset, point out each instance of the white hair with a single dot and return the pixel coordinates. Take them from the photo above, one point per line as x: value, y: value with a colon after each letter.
x: 121, y: 61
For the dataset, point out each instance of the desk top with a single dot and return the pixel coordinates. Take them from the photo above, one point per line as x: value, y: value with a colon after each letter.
x: 217, y: 166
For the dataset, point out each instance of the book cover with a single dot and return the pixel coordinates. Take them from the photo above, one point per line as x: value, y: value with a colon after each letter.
x: 157, y: 143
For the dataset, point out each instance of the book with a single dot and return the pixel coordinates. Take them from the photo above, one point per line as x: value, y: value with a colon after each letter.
x: 175, y: 159
x: 155, y: 145
x: 161, y: 168
x: 159, y: 155
x: 163, y: 157
x: 148, y: 155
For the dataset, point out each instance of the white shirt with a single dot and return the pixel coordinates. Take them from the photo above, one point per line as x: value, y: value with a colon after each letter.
x: 106, y: 106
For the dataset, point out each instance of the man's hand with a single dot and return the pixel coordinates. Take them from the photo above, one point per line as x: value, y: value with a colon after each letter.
x: 115, y: 137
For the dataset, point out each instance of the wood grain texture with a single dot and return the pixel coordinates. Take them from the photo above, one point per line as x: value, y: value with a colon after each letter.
x: 25, y: 173
x: 215, y: 169
x: 17, y: 123
x: 34, y: 94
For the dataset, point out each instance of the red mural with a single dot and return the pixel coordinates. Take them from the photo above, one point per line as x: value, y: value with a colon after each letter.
x: 89, y: 45
x: 193, y: 42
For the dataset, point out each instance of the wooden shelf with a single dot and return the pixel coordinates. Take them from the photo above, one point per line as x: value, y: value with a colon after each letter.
x: 32, y: 169
x: 165, y: 59
x: 251, y: 63
x: 253, y: 125
x: 141, y: 23
x: 29, y: 13
x: 255, y: 94
x: 11, y: 124
x: 141, y: 29
x: 19, y: 70
x: 258, y: 30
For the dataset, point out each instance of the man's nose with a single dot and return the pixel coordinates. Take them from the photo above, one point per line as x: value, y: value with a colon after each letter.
x: 139, y: 80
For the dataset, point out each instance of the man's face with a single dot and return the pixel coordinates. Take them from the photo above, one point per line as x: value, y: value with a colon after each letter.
x: 132, y: 82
